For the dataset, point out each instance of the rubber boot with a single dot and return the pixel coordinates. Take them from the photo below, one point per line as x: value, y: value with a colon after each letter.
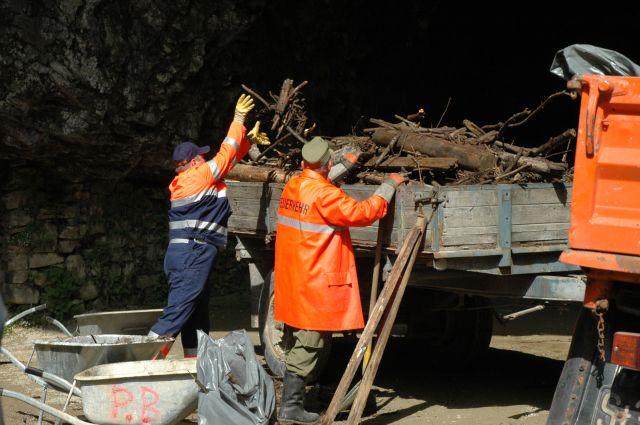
x: 292, y: 405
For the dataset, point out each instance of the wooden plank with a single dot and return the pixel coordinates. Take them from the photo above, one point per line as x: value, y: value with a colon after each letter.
x: 469, y: 198
x: 249, y: 207
x: 470, y: 216
x: 251, y: 224
x: 421, y: 162
x: 540, y: 232
x: 549, y: 235
x: 516, y: 228
x: 535, y: 196
x: 539, y: 214
x: 472, y: 230
x: 247, y: 190
x: 521, y: 214
x: 469, y: 240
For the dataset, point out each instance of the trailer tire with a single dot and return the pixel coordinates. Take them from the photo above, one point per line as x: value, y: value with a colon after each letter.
x: 465, y: 338
x: 270, y: 330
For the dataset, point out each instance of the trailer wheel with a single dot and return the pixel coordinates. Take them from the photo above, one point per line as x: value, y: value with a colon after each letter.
x: 463, y: 336
x: 271, y: 331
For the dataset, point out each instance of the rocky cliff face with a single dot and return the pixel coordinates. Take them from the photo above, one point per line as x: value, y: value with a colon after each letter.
x: 97, y: 86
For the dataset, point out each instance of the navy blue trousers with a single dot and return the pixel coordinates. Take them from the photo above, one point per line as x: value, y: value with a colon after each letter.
x: 187, y: 266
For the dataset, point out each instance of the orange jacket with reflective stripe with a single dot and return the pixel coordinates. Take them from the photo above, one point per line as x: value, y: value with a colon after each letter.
x: 199, y: 205
x: 316, y: 285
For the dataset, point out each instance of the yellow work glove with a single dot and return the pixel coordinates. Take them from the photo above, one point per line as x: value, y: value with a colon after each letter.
x: 257, y: 137
x: 244, y: 105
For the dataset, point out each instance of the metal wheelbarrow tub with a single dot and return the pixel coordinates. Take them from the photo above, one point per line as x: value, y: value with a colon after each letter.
x: 132, y: 322
x: 66, y: 357
x: 159, y: 392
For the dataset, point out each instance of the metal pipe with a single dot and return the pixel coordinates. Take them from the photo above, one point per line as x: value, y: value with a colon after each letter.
x: 66, y: 403
x: 517, y: 314
x: 58, y: 325
x: 24, y: 313
x: 44, y: 400
x: 48, y: 409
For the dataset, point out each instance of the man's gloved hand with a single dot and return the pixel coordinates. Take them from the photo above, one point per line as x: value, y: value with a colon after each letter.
x: 389, y: 185
x: 343, y: 161
x: 244, y: 105
x: 257, y: 137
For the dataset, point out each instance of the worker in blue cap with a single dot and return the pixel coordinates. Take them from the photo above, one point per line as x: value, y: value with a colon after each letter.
x: 197, y: 228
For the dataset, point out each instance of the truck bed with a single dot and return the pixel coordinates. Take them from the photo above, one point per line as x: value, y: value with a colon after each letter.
x: 496, y: 229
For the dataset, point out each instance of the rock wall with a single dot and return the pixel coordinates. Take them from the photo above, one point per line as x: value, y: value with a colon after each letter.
x: 112, y: 85
x: 82, y: 245
x: 95, y: 94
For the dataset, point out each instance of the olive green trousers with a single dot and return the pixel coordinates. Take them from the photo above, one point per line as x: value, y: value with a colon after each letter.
x: 306, y: 352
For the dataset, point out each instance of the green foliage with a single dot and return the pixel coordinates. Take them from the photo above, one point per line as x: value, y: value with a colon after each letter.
x: 25, y: 237
x: 117, y: 291
x: 62, y: 288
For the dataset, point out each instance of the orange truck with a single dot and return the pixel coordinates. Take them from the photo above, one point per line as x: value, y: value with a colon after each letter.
x: 600, y: 382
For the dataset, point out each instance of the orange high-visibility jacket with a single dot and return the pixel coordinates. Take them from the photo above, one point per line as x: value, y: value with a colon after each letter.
x: 199, y: 205
x: 316, y: 285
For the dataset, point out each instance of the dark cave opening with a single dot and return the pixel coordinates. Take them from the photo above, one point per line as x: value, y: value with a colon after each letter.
x: 376, y: 59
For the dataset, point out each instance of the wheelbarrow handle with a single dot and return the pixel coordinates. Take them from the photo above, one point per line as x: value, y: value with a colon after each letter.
x: 41, y: 406
x: 24, y: 313
x: 34, y: 371
x: 54, y: 379
x: 58, y: 325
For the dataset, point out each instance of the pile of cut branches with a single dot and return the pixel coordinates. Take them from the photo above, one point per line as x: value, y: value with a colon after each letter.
x: 469, y: 154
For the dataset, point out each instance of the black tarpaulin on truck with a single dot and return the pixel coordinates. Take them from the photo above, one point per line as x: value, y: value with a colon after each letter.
x: 584, y: 59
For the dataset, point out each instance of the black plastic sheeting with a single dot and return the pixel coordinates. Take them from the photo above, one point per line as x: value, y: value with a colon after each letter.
x: 238, y: 390
x: 3, y: 317
x: 585, y: 59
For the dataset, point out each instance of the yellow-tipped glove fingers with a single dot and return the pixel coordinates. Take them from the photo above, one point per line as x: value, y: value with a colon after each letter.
x: 244, y: 105
x: 258, y: 137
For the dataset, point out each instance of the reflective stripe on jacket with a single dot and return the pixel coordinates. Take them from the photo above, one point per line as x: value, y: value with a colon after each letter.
x: 199, y: 205
x: 316, y: 285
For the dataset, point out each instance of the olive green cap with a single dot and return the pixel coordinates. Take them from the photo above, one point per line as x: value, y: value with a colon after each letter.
x: 316, y: 152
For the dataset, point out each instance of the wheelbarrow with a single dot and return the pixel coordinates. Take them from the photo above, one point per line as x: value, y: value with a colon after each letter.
x: 125, y: 322
x: 161, y: 392
x: 61, y: 359
x: 133, y: 322
x: 69, y: 356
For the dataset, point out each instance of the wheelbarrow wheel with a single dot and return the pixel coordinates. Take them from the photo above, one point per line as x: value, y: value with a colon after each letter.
x: 271, y: 331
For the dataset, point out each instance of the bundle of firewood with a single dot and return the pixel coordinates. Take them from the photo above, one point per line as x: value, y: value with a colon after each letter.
x: 470, y: 154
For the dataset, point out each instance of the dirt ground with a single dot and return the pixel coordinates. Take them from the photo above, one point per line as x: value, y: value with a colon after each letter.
x: 513, y: 385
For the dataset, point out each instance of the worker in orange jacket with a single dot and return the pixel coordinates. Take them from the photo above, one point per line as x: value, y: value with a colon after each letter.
x: 316, y: 286
x: 197, y: 228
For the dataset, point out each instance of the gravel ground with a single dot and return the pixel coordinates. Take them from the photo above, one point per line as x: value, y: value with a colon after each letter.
x: 513, y: 385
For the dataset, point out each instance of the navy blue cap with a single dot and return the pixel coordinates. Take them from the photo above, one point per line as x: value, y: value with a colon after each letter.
x: 187, y: 151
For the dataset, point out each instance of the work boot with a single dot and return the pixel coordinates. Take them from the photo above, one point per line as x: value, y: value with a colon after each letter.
x: 292, y: 405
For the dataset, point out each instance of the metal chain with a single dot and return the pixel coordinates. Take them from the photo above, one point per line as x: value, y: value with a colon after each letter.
x: 601, y: 308
x: 600, y: 325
